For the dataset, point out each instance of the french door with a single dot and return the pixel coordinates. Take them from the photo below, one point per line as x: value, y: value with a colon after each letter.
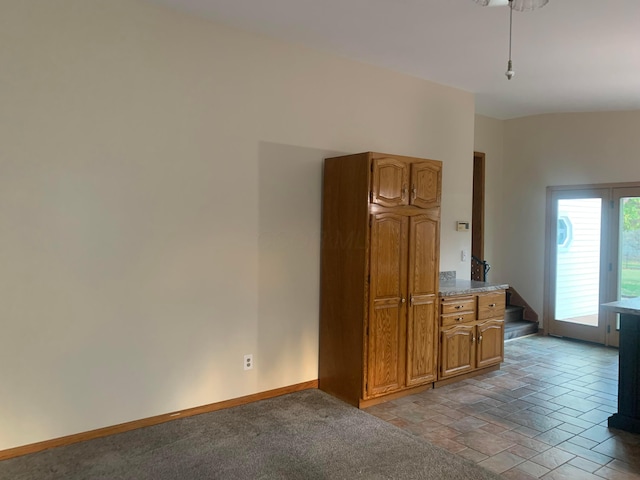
x: 593, y: 257
x: 625, y: 254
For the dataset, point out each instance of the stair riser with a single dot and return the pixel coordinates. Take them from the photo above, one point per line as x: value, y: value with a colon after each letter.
x: 513, y: 314
x: 520, y: 330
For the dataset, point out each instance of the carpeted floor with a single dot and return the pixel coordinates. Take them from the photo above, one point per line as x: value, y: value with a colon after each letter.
x: 303, y: 435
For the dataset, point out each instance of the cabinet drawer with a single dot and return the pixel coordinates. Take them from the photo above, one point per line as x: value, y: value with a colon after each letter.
x: 491, y: 305
x: 458, y: 304
x: 456, y: 318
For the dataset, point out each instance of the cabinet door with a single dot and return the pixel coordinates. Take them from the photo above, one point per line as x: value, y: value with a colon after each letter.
x: 490, y: 343
x: 387, y: 303
x: 425, y: 184
x: 390, y: 182
x: 422, y: 340
x: 422, y: 331
x: 457, y: 350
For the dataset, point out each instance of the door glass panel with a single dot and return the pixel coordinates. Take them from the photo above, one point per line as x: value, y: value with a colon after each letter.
x: 628, y: 250
x: 578, y: 230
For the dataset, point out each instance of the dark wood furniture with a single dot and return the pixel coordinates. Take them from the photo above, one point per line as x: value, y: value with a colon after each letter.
x: 628, y: 415
x: 379, y: 276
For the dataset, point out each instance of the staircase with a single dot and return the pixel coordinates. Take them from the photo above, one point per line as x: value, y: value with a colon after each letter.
x: 519, y: 318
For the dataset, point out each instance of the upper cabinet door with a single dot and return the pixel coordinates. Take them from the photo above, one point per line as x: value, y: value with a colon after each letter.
x: 390, y: 182
x: 424, y: 253
x: 425, y: 184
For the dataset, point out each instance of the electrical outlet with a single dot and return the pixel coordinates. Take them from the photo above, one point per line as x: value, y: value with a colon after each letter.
x: 248, y: 362
x: 463, y: 255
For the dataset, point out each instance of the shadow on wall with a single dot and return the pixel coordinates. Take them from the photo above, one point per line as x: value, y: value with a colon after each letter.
x: 290, y: 193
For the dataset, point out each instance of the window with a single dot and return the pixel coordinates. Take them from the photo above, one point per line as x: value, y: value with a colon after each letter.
x: 565, y: 231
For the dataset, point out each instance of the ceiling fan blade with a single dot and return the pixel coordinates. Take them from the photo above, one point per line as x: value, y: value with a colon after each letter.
x: 519, y: 5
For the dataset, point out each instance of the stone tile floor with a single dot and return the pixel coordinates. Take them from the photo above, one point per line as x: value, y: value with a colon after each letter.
x: 542, y: 415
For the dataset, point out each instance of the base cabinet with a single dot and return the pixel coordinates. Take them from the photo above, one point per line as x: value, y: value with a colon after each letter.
x: 471, y: 333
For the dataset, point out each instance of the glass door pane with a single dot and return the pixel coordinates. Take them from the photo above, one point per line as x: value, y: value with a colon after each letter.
x: 578, y: 269
x: 626, y: 253
x: 578, y: 261
x: 629, y: 248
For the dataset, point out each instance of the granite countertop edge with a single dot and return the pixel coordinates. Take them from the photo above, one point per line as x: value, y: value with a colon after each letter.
x: 627, y: 305
x: 462, y: 287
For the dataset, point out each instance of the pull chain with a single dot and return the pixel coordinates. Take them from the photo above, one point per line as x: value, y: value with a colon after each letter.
x: 510, y: 73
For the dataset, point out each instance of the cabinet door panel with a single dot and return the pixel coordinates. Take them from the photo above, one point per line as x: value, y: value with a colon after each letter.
x: 490, y: 343
x: 457, y: 350
x: 386, y: 356
x: 425, y: 184
x: 422, y: 340
x: 390, y: 182
x: 389, y: 235
x: 387, y: 308
x: 424, y: 254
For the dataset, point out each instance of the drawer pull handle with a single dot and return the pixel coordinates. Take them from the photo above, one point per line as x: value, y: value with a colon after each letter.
x: 459, y: 319
x: 458, y: 307
x: 492, y: 305
x: 480, y: 339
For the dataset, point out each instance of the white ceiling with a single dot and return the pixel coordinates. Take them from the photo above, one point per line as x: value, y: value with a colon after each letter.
x: 571, y: 55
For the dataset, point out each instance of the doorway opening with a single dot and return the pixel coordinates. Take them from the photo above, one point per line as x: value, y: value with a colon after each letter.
x: 478, y: 271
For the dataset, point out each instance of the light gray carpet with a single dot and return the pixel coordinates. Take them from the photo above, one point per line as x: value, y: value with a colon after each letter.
x: 303, y: 435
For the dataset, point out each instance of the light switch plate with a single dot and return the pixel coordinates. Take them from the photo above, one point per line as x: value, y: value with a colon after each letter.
x: 463, y: 226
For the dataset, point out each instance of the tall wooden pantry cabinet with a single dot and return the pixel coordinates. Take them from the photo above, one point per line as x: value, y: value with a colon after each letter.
x: 379, y: 276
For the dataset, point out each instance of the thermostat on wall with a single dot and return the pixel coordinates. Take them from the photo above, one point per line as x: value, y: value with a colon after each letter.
x: 463, y: 226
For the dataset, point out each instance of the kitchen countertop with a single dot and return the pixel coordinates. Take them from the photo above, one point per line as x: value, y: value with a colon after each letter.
x: 628, y: 305
x: 462, y: 287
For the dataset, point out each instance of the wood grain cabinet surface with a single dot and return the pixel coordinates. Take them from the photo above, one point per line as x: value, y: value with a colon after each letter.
x: 379, y: 276
x: 471, y: 333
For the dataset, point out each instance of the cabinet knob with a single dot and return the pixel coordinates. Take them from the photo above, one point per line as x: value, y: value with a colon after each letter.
x: 458, y: 307
x: 404, y: 191
x: 414, y: 193
x: 403, y: 300
x: 480, y: 339
x: 459, y: 319
x: 492, y: 305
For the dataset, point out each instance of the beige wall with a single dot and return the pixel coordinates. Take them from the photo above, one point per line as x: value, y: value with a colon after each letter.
x: 160, y: 205
x: 559, y: 149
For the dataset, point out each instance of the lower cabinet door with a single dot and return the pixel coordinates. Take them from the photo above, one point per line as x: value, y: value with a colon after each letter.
x: 386, y: 352
x: 490, y: 343
x: 422, y: 338
x: 457, y: 350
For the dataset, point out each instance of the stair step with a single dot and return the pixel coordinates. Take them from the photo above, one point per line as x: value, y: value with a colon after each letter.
x: 513, y: 313
x: 519, y: 328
